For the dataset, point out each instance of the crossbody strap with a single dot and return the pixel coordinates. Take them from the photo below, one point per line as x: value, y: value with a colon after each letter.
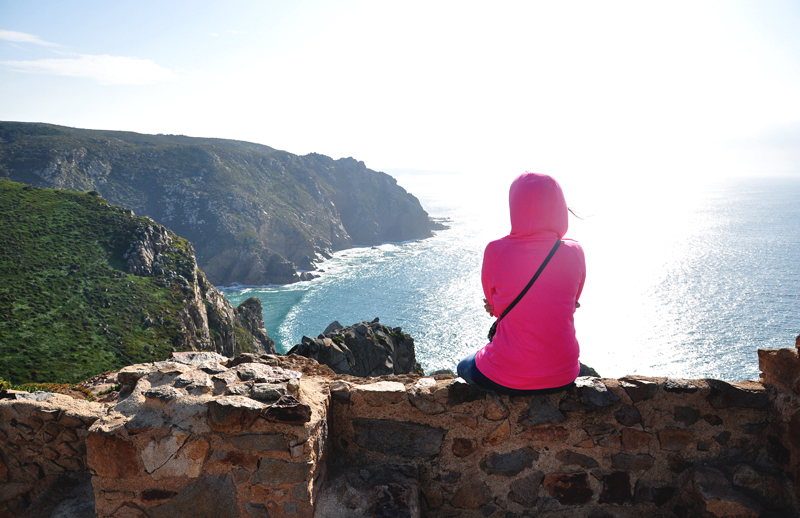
x: 535, y: 276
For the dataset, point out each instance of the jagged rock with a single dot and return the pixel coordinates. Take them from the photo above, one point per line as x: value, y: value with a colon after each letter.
x: 251, y: 315
x: 708, y: 491
x: 365, y: 349
x: 509, y: 464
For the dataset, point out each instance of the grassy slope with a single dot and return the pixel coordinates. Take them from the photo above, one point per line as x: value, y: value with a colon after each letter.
x: 67, y: 310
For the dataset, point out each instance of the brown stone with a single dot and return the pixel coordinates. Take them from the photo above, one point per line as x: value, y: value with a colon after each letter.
x: 495, y: 409
x: 463, y: 447
x: 207, y: 497
x: 610, y: 441
x: 639, y: 390
x: 678, y: 464
x: 524, y: 490
x: 629, y: 462
x: 737, y: 395
x: 633, y: 439
x: 546, y: 433
x: 713, y: 420
x: 570, y: 458
x: 466, y: 420
x: 686, y: 415
x: 498, y: 435
x: 673, y: 439
x: 111, y: 456
x: 711, y: 493
x: 3, y: 472
x: 232, y: 414
x: 540, y: 410
x: 628, y: 415
x: 509, y: 464
x: 794, y: 430
x: 287, y: 410
x: 274, y: 472
x: 616, y: 488
x: 433, y: 498
x: 569, y: 489
x: 471, y: 496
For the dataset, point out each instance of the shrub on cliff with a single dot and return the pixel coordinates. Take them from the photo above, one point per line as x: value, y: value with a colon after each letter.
x: 87, y: 287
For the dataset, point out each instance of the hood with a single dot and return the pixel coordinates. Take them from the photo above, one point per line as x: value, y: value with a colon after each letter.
x: 537, y: 206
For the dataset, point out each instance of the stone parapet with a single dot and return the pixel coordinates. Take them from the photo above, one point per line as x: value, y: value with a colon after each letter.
x: 282, y: 436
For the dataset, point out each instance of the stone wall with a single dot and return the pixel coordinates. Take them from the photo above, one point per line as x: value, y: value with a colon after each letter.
x: 270, y: 436
x: 42, y: 438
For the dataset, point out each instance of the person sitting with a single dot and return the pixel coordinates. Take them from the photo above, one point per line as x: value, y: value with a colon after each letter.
x: 534, y: 349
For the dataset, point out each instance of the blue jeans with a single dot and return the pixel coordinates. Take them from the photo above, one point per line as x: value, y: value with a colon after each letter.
x: 469, y: 372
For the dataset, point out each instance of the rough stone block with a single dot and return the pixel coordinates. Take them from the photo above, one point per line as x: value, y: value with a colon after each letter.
x: 673, y: 439
x: 471, y: 496
x: 495, y: 409
x: 737, y: 395
x: 463, y: 447
x: 569, y: 489
x: 628, y: 415
x: 633, y: 439
x: 460, y: 392
x: 382, y: 393
x: 686, y: 415
x: 571, y: 458
x: 396, y: 438
x: 630, y: 462
x: 111, y: 456
x: 233, y: 414
x: 499, y: 434
x: 540, y: 410
x: 509, y: 464
x: 257, y: 442
x: 616, y: 488
x: 207, y: 497
x: 287, y: 410
x: 524, y: 491
x: 275, y: 472
x: 639, y: 390
x: 679, y: 386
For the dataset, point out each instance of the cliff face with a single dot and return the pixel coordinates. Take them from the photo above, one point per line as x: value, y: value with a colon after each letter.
x: 87, y: 287
x: 255, y: 214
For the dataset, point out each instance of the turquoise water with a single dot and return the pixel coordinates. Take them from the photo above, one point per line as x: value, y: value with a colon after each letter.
x: 688, y: 288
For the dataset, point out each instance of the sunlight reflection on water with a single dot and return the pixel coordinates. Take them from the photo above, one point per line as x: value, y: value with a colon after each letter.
x: 685, y: 286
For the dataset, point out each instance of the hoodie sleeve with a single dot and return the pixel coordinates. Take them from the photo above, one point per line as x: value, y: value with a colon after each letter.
x: 486, y: 273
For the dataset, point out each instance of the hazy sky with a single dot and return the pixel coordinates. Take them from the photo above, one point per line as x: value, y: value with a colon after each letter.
x: 581, y: 90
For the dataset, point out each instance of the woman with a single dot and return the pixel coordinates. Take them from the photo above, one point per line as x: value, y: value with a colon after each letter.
x: 534, y: 349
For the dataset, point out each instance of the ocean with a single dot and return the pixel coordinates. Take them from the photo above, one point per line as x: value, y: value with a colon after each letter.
x: 689, y: 285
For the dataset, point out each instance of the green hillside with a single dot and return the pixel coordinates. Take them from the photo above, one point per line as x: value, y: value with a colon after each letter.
x: 68, y: 310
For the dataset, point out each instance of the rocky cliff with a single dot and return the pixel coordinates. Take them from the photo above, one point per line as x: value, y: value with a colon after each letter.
x: 255, y: 214
x: 365, y: 349
x: 87, y: 287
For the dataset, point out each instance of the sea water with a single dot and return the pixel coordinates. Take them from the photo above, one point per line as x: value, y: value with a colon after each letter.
x: 686, y: 286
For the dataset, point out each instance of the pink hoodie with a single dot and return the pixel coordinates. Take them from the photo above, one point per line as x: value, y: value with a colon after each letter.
x: 535, y: 345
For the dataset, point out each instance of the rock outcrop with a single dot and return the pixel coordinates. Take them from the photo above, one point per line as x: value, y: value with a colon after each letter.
x: 88, y: 287
x: 365, y: 349
x: 282, y: 436
x: 255, y: 214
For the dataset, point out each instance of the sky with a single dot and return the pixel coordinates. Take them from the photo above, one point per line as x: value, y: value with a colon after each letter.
x: 599, y: 94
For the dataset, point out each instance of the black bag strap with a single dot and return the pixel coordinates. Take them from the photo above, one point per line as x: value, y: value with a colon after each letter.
x: 535, y: 276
